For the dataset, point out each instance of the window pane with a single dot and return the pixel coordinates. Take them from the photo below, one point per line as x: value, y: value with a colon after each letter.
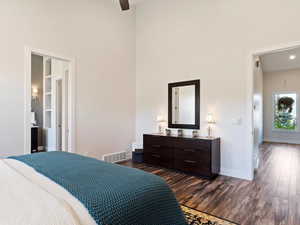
x: 285, y: 111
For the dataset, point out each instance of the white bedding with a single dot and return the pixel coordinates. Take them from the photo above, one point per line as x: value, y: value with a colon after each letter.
x: 29, y: 198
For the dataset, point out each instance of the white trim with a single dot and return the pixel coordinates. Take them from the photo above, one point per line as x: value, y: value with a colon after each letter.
x: 274, y: 49
x: 283, y: 140
x: 55, y: 80
x: 249, y: 117
x: 71, y: 91
x: 27, y: 101
x: 63, y: 125
x: 249, y: 88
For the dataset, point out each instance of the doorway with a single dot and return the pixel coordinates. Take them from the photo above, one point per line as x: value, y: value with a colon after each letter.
x: 49, y: 114
x: 275, y: 107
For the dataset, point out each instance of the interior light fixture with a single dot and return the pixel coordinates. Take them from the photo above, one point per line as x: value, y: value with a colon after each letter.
x: 292, y: 57
x: 35, y: 93
x: 160, y: 120
x: 210, y: 120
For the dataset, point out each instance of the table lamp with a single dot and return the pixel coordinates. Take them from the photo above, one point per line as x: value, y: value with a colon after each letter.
x: 210, y: 120
x: 160, y: 120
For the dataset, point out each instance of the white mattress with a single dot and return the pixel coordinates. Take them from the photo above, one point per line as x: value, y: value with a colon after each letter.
x: 29, y: 198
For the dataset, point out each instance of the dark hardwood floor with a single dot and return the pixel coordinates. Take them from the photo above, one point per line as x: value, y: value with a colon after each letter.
x: 273, y: 198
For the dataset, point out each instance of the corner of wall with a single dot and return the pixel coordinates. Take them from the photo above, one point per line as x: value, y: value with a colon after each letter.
x: 236, y: 173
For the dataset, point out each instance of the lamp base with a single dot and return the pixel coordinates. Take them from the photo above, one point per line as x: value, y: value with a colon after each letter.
x: 160, y: 129
x: 209, y: 131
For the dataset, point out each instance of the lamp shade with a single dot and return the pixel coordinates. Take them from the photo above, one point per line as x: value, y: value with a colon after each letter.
x: 210, y: 118
x: 35, y: 92
x: 160, y: 119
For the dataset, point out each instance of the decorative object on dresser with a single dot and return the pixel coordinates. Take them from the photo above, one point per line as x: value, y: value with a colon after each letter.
x: 180, y: 132
x: 195, y: 133
x: 168, y: 132
x: 198, y: 156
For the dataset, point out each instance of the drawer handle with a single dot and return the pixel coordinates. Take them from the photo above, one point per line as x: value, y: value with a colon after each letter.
x: 190, y: 161
x: 156, y: 146
x: 156, y: 156
x: 189, y: 150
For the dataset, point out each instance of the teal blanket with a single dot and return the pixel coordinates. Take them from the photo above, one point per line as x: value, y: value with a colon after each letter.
x: 113, y: 194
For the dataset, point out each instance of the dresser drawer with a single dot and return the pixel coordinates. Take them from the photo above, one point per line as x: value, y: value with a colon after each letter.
x: 161, y: 150
x: 203, y: 155
x: 157, y: 141
x: 192, y: 144
x: 193, y: 166
x: 158, y: 159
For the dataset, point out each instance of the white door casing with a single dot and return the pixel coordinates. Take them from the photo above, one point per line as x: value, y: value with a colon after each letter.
x: 250, y: 103
x: 69, y: 101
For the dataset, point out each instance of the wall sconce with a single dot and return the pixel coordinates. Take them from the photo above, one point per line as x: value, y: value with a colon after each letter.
x: 210, y: 120
x: 35, y: 93
x: 160, y: 120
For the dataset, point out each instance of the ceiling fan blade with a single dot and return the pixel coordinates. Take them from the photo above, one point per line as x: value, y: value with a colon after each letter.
x: 124, y: 4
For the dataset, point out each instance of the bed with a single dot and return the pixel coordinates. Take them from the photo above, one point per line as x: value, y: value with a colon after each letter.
x: 59, y: 188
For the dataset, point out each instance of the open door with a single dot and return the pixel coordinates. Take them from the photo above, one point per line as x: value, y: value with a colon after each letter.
x: 59, y: 113
x: 56, y: 105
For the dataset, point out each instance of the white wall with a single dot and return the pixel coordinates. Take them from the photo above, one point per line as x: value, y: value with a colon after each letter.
x: 257, y: 110
x: 280, y: 81
x: 102, y: 39
x: 208, y: 40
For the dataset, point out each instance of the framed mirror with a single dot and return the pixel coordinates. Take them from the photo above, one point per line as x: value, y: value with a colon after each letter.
x: 184, y: 105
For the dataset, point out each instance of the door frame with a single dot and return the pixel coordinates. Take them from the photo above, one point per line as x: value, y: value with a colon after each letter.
x: 71, y: 97
x: 56, y: 79
x: 250, y: 91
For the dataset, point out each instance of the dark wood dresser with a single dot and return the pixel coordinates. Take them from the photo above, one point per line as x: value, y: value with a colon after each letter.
x: 198, y: 156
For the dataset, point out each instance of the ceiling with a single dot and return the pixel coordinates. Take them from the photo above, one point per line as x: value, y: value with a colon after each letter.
x: 280, y: 60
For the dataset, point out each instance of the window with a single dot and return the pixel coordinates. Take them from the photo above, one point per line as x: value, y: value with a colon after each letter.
x: 285, y: 111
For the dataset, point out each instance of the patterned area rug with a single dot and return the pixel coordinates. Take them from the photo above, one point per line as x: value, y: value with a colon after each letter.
x: 195, y: 217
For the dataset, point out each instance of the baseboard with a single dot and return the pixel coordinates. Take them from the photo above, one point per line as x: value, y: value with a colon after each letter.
x: 283, y: 140
x: 236, y: 174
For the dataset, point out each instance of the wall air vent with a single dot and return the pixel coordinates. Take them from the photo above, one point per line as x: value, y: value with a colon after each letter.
x: 115, y: 157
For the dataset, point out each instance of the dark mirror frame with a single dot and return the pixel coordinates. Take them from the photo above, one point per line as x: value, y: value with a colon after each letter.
x: 197, y: 105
